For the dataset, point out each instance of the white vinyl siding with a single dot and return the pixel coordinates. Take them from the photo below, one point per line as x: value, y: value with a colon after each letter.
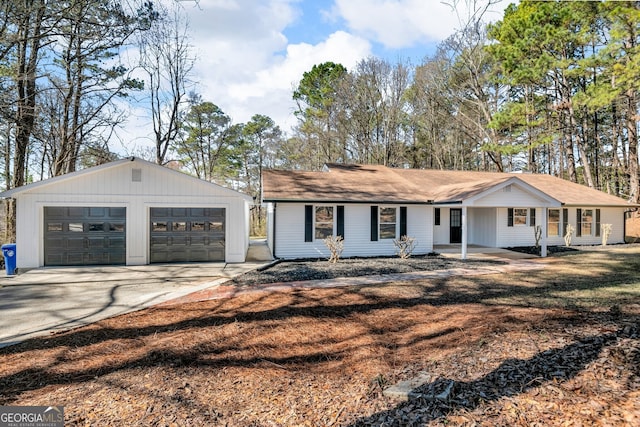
x: 524, y: 236
x: 290, y: 226
x: 513, y: 236
x: 113, y: 187
x: 482, y: 226
x: 516, y: 197
x: 441, y: 232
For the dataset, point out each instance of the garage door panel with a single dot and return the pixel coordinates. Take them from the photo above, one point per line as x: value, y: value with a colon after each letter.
x: 187, y: 234
x: 96, y: 242
x: 115, y: 242
x: 117, y: 212
x: 160, y: 241
x: 84, y: 235
x: 199, y: 240
x: 75, y: 243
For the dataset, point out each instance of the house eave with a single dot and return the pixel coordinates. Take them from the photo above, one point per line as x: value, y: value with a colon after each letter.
x: 345, y: 201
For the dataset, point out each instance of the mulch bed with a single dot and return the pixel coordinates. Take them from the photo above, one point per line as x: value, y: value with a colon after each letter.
x: 533, y: 250
x: 321, y: 269
x: 322, y: 357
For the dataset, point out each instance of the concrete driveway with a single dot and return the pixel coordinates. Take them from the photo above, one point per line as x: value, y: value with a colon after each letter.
x: 52, y: 299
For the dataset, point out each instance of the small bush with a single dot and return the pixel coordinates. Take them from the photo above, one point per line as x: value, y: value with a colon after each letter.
x: 404, y: 246
x: 606, y: 232
x: 336, y: 246
x: 537, y: 234
x: 568, y: 234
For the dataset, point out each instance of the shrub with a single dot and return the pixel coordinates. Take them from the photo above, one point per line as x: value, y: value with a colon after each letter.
x: 404, y: 246
x: 606, y: 232
x: 336, y: 246
x: 537, y: 234
x: 568, y: 234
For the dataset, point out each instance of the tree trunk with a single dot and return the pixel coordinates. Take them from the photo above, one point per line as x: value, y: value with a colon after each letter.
x: 632, y: 132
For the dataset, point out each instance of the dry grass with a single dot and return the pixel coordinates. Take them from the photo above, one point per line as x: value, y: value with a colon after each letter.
x: 553, y: 346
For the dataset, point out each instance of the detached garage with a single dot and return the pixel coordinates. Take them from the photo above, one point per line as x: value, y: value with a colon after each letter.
x: 128, y: 212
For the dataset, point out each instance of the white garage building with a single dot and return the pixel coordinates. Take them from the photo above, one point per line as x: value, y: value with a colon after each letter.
x: 128, y: 212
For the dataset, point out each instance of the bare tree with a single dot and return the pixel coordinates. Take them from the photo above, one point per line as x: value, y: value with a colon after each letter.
x: 167, y: 61
x: 89, y: 76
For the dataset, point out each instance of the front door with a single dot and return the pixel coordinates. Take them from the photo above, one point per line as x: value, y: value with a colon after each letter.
x: 455, y: 226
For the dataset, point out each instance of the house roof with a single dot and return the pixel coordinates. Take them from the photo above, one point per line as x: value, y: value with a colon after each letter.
x: 352, y: 183
x: 380, y: 184
x: 106, y: 166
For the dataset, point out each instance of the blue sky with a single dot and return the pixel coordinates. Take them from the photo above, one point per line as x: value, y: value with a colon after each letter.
x: 252, y: 53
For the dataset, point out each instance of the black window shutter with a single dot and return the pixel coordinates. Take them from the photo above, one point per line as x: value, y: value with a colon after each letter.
x: 374, y: 223
x: 565, y: 221
x: 308, y: 223
x: 597, y: 222
x: 510, y: 217
x: 403, y: 221
x: 340, y: 221
x: 578, y: 222
x: 437, y: 216
x: 532, y: 217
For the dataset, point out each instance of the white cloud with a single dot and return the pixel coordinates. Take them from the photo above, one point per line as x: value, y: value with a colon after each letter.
x: 245, y: 64
x: 404, y: 23
x: 271, y: 88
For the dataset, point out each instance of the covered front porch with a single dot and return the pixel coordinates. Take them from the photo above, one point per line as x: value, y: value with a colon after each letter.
x: 471, y: 230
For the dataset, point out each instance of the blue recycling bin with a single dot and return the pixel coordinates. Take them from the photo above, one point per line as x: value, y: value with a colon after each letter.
x: 9, y: 253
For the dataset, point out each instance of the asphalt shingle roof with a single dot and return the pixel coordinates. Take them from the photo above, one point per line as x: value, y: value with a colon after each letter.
x: 380, y: 184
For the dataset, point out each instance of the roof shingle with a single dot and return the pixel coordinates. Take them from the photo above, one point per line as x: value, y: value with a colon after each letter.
x: 380, y: 184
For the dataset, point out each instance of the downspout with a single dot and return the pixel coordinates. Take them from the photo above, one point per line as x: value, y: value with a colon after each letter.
x: 275, y: 204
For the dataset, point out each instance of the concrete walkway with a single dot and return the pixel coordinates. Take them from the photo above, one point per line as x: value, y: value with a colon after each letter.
x: 259, y: 251
x: 45, y: 300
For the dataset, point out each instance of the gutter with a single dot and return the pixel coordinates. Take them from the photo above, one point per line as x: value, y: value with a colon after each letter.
x: 355, y: 202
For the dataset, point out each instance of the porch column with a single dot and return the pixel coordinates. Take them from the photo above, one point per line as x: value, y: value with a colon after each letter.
x: 463, y: 254
x: 543, y: 225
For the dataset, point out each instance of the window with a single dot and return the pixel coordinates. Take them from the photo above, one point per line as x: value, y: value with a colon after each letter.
x: 96, y: 226
x: 586, y: 222
x: 519, y: 216
x: 436, y: 214
x: 324, y: 222
x: 76, y: 227
x: 119, y: 227
x: 216, y: 226
x: 159, y: 226
x: 54, y: 226
x: 388, y: 223
x: 179, y: 226
x: 553, y: 222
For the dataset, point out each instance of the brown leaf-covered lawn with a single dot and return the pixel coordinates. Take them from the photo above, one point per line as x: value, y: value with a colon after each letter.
x: 555, y: 346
